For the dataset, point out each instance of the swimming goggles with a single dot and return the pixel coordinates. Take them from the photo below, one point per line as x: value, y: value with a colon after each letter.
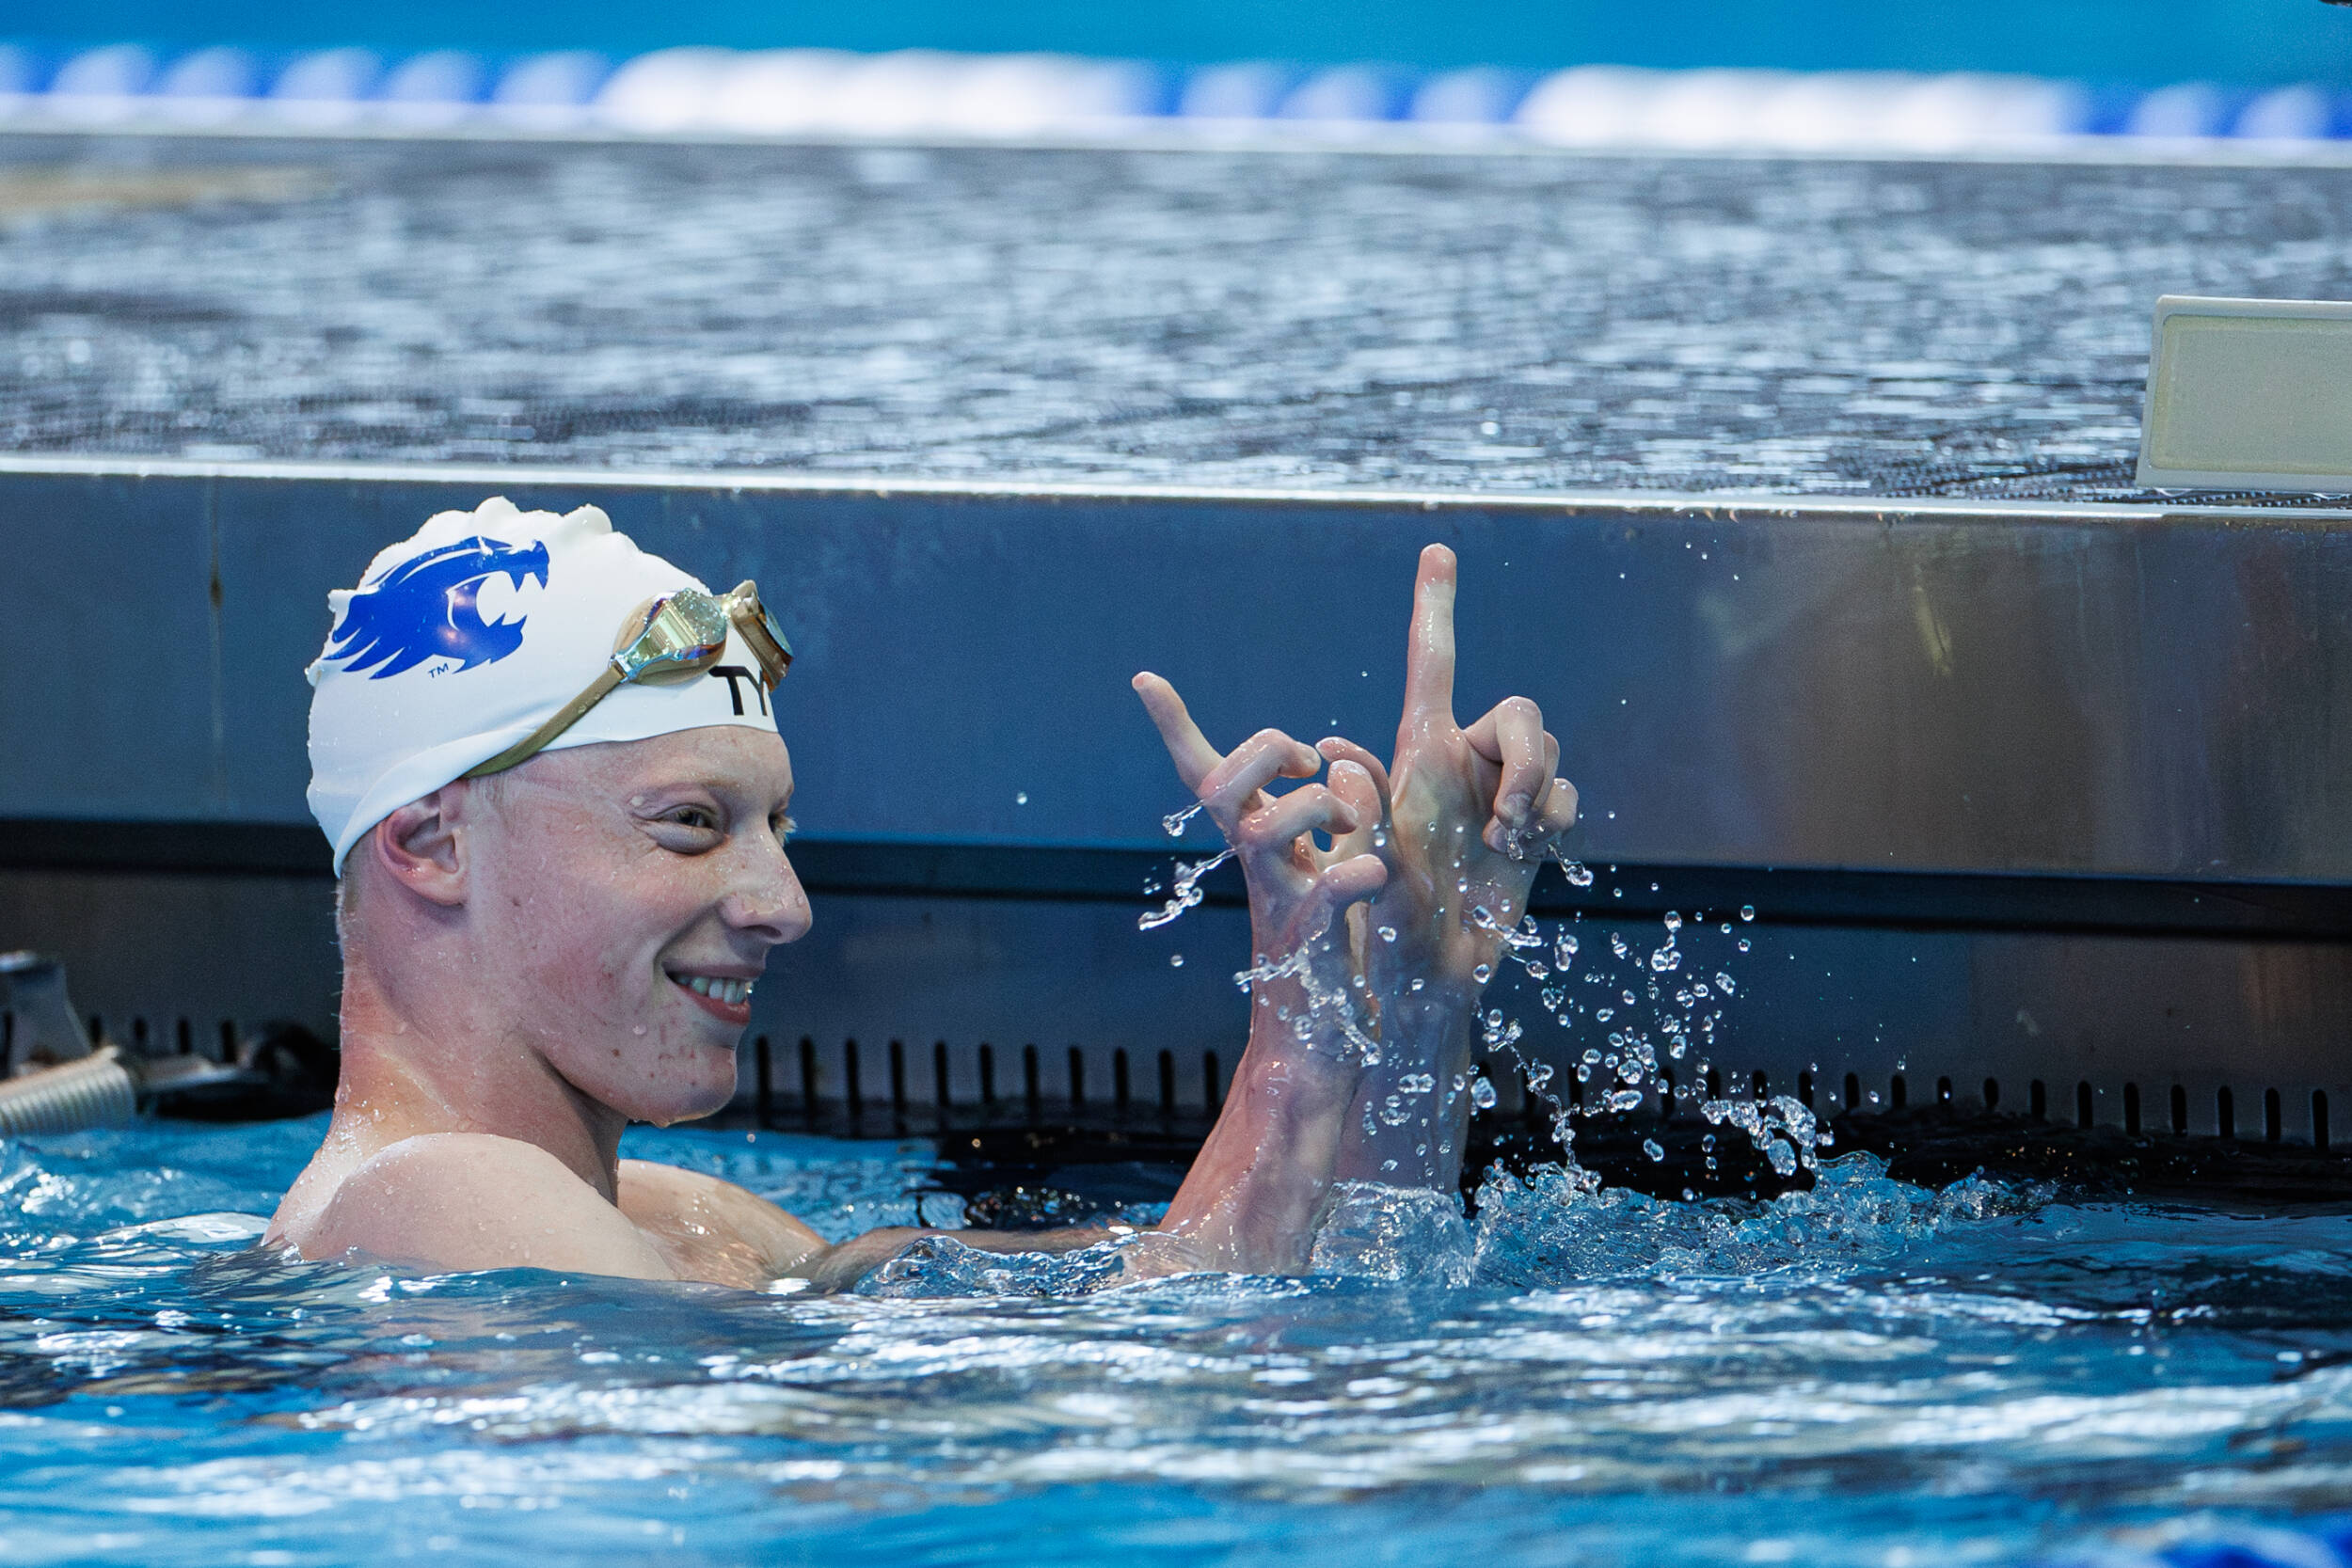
x: 664, y: 641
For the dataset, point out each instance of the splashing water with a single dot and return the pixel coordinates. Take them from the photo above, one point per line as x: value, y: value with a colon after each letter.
x: 1400, y: 1235
x: 1175, y: 820
x: 1781, y: 1128
x: 1186, y: 892
x: 1680, y: 1022
x: 1549, y: 1226
x: 1331, y: 1012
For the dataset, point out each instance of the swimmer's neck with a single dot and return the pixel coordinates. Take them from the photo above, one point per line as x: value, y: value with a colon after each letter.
x: 433, y: 1059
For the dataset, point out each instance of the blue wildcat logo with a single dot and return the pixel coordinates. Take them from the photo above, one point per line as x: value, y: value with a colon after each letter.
x: 424, y: 609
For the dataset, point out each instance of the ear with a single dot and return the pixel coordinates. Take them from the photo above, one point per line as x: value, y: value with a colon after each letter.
x: 423, y: 845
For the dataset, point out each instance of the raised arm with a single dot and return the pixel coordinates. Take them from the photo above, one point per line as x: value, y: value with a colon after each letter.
x: 1369, y: 959
x: 1250, y: 1202
x: 1468, y: 816
x: 1257, y: 1188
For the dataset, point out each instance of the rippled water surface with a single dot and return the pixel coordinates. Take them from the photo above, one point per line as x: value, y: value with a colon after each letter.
x: 1304, y: 320
x: 1863, y: 1373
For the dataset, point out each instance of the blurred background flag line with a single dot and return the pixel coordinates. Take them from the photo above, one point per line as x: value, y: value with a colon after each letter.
x: 1833, y: 76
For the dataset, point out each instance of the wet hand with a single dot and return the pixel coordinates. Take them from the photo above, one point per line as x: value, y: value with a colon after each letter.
x: 1297, y: 893
x: 1468, y: 814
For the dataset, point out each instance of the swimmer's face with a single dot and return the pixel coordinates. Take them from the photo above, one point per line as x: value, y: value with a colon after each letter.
x: 638, y: 888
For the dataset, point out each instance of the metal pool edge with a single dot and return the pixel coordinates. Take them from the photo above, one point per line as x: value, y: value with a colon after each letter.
x: 2049, y: 794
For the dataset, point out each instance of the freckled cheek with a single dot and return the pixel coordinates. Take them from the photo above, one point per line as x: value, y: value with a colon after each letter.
x: 578, y: 965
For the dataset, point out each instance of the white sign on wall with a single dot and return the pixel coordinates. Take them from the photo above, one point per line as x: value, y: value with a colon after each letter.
x: 2248, y: 394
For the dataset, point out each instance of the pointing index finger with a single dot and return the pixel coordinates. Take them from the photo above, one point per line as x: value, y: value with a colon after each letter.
x: 1186, y: 746
x: 1429, y: 652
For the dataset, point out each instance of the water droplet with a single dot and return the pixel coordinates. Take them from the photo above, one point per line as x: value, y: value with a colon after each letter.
x: 1175, y: 960
x: 1747, y: 911
x: 1649, y: 1146
x: 1461, y: 884
x: 1723, y: 983
x: 1727, y: 927
x: 1605, y: 1013
x: 1483, y: 1094
x: 1022, y: 798
x: 1483, y: 974
x: 1418, y: 984
x: 1744, y: 944
x: 1387, y: 933
x: 1673, y: 921
x: 1626, y: 1099
x: 1628, y: 997
x: 1174, y: 821
x: 1187, y: 890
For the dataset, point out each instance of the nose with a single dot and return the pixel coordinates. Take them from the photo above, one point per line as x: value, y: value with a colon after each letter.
x: 766, y: 902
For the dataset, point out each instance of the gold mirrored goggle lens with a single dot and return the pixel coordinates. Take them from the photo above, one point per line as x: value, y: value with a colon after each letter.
x: 666, y: 640
x: 675, y: 638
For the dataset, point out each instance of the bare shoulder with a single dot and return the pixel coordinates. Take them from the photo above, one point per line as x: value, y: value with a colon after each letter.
x: 462, y: 1201
x: 713, y: 1229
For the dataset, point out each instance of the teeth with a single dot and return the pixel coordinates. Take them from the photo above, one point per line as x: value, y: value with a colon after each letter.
x: 733, y: 992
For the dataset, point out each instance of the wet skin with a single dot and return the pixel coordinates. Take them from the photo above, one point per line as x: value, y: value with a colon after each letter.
x: 530, y: 961
x: 1458, y: 820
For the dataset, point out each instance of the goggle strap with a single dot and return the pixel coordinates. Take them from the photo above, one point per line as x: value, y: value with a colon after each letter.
x: 537, y: 740
x: 743, y: 608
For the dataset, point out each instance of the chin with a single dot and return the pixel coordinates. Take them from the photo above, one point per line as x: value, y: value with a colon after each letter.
x: 669, y: 1103
x: 683, y: 1091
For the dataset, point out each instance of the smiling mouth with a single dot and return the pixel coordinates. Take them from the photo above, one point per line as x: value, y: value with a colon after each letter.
x: 722, y: 997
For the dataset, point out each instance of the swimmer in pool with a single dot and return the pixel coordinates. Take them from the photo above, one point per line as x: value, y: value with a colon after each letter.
x: 558, y: 801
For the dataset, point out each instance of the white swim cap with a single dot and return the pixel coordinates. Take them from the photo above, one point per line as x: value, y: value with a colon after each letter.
x: 462, y: 641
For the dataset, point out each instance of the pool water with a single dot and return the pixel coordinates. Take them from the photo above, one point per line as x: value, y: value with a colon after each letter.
x: 1862, y: 1373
